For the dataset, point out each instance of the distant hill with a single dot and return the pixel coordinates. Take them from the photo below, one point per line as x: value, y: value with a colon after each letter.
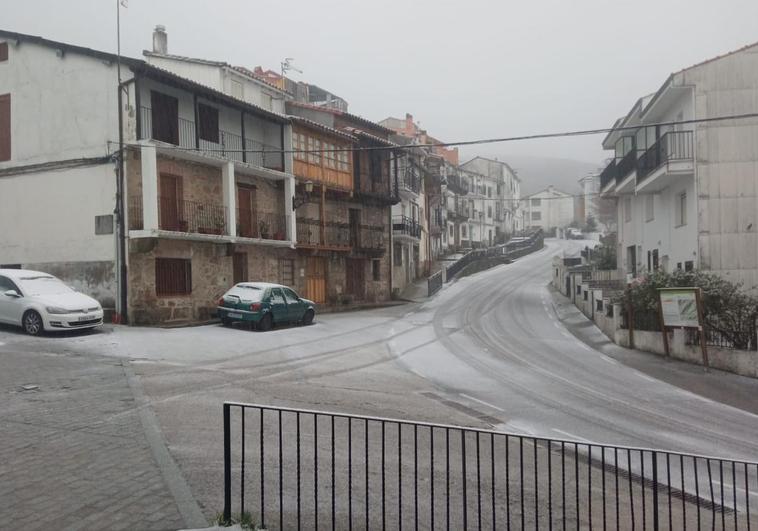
x: 537, y: 173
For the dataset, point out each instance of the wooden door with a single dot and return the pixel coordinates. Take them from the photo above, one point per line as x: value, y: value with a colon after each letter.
x: 170, y: 201
x: 355, y: 227
x: 354, y: 282
x: 315, y: 279
x: 246, y: 200
x: 239, y: 267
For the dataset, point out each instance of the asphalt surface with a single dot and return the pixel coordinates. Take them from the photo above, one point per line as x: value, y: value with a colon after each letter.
x: 495, y: 350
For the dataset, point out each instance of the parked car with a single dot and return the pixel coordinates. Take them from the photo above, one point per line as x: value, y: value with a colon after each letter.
x: 263, y: 305
x: 39, y: 302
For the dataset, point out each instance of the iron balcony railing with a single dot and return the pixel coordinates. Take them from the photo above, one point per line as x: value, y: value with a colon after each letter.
x: 608, y: 175
x: 261, y: 225
x: 288, y: 468
x: 403, y: 225
x: 191, y: 216
x: 457, y: 185
x: 370, y: 238
x: 626, y: 165
x: 434, y: 283
x: 230, y: 146
x: 672, y: 146
x: 410, y: 181
x: 309, y: 233
x: 134, y: 211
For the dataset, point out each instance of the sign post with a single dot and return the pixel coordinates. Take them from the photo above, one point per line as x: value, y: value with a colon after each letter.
x: 682, y: 308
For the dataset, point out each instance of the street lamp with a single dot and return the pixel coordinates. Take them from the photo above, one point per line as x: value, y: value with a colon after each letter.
x: 304, y: 198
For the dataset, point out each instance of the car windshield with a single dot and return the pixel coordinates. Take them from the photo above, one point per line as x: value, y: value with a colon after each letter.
x: 246, y: 292
x: 42, y: 285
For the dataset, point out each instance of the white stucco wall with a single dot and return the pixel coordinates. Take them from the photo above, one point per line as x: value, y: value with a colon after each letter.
x: 63, y: 106
x: 50, y: 216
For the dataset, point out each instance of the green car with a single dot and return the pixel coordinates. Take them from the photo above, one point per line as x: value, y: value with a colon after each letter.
x: 263, y: 305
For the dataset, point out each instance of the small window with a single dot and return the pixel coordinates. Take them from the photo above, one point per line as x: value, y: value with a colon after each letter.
x: 599, y: 305
x: 104, y: 224
x: 376, y: 268
x: 397, y: 254
x: 679, y: 266
x: 586, y: 295
x: 627, y: 209
x: 173, y: 276
x: 536, y: 202
x: 578, y: 289
x: 5, y: 127
x: 207, y: 128
x: 536, y: 216
x: 681, y: 209
x: 3, y: 51
x: 689, y: 265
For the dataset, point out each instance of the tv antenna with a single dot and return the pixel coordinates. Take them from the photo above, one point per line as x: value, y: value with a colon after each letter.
x: 287, y: 66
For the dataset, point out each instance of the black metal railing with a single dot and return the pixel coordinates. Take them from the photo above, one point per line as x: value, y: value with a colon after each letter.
x: 626, y: 165
x: 406, y: 226
x: 410, y: 181
x: 261, y: 225
x: 288, y: 468
x: 457, y: 185
x: 230, y: 146
x: 434, y: 283
x: 370, y: 238
x: 608, y: 175
x: 191, y: 216
x: 744, y: 339
x: 674, y: 145
x: 309, y: 233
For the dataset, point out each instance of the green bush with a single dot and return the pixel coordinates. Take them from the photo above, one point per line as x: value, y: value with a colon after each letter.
x: 727, y: 308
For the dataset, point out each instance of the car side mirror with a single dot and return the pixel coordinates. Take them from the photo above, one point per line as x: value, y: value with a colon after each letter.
x: 12, y: 293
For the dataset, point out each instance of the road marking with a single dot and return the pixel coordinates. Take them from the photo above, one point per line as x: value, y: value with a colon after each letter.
x: 569, y: 435
x: 609, y: 360
x: 648, y: 378
x: 493, y: 406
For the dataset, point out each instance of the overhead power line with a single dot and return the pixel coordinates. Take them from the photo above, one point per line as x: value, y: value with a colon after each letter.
x: 537, y: 136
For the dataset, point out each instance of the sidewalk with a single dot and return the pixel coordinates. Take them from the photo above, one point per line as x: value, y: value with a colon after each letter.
x: 73, y: 450
x: 719, y: 386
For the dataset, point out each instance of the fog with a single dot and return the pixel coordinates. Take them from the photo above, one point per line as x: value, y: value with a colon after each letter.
x: 465, y: 70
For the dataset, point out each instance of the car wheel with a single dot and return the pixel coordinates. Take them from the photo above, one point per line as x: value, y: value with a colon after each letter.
x: 32, y: 323
x: 308, y: 317
x: 264, y: 325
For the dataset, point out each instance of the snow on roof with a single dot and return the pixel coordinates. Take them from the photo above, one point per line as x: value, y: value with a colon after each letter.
x: 22, y: 273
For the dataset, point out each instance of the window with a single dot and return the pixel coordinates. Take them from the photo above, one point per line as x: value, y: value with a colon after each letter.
x: 165, y: 117
x: 104, y: 224
x: 290, y: 296
x: 489, y: 211
x: 464, y: 231
x: 3, y: 51
x: 173, y: 276
x: 207, y: 127
x: 489, y: 191
x: 397, y: 254
x: 6, y: 284
x: 343, y: 158
x: 536, y: 202
x: 649, y: 207
x: 300, y: 143
x: 451, y: 231
x: 681, y: 209
x: 5, y: 127
x: 239, y: 267
x: 287, y: 271
x: 689, y: 265
x: 627, y: 209
x: 276, y: 296
x: 679, y: 266
x: 536, y: 216
x: 376, y: 269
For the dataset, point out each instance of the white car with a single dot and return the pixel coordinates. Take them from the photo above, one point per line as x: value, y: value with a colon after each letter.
x: 40, y: 302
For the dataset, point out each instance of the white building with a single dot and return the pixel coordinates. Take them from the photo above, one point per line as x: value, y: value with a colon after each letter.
x: 198, y: 202
x: 548, y: 209
x: 588, y: 200
x: 503, y: 193
x: 687, y: 192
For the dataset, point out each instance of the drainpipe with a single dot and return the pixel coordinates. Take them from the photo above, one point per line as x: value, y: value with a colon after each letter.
x: 120, y: 203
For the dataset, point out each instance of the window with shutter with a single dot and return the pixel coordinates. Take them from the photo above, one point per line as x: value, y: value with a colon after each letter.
x: 3, y: 51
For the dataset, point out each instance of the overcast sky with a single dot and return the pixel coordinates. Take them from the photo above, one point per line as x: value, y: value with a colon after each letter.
x: 465, y: 70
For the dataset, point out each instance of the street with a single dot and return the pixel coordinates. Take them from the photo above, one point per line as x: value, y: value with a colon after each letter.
x: 497, y: 349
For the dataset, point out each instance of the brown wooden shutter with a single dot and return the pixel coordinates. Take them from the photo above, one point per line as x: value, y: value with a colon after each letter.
x: 3, y: 51
x: 5, y: 127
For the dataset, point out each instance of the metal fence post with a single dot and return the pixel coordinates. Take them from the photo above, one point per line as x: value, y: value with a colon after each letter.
x: 655, y: 488
x: 227, y: 465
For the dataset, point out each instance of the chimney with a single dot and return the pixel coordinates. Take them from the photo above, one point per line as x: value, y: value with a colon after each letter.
x: 160, y: 40
x: 409, y: 123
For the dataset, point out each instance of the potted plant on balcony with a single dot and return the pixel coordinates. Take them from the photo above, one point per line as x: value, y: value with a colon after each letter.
x: 263, y: 229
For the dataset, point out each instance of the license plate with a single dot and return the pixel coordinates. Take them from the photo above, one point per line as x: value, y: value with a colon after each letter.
x: 234, y: 315
x: 86, y: 318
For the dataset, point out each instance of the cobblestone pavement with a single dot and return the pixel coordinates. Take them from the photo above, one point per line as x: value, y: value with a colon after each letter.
x: 73, y: 453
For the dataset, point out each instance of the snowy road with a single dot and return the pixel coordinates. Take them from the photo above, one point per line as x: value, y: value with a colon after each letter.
x: 494, y: 349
